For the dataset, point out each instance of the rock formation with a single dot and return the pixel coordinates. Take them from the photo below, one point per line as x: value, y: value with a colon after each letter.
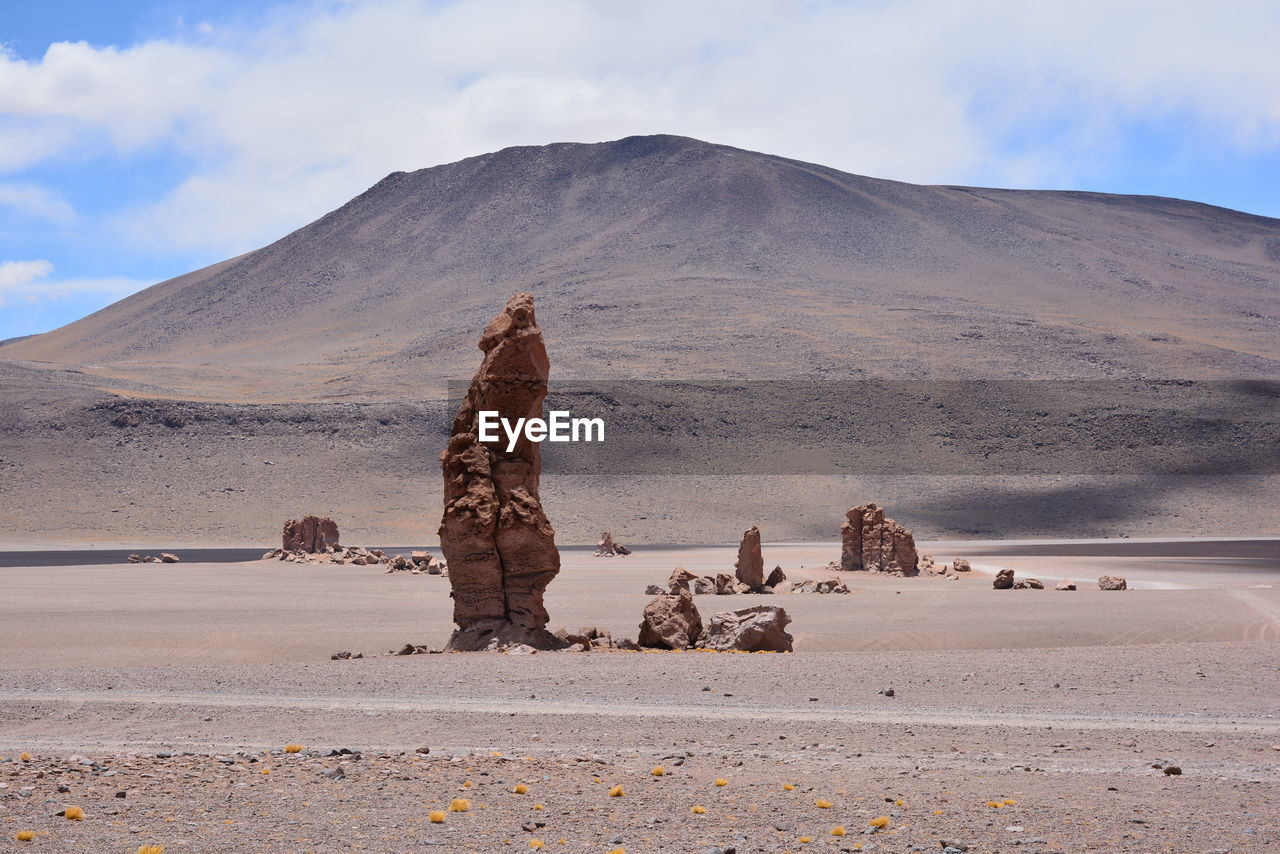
x: 756, y: 629
x: 1003, y: 580
x: 775, y: 578
x: 829, y: 585
x: 680, y: 580
x: 750, y: 566
x: 873, y: 543
x: 608, y: 548
x: 960, y: 565
x: 1112, y: 582
x: 496, y: 539
x: 670, y: 622
x: 1065, y: 584
x: 310, y: 534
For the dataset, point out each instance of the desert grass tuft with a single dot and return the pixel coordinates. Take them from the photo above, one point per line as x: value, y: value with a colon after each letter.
x: 722, y: 782
x: 821, y: 804
x: 73, y: 814
x: 520, y: 789
x: 995, y: 805
x: 293, y: 748
x: 787, y: 787
x: 698, y: 809
x: 1010, y: 802
x: 436, y: 817
x: 838, y: 830
x: 805, y: 840
x: 881, y: 821
x: 25, y: 835
x: 150, y: 849
x: 537, y: 844
x: 658, y: 771
x: 459, y: 805
x: 25, y: 757
x: 616, y: 791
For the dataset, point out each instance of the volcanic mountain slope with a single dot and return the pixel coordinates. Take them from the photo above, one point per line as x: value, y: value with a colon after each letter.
x: 663, y: 256
x: 308, y: 376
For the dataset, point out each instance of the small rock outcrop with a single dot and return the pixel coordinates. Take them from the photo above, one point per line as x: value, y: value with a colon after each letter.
x: 310, y: 535
x: 775, y: 578
x: 670, y: 622
x: 608, y: 548
x: 1112, y: 582
x: 749, y: 568
x: 960, y: 565
x: 1003, y: 580
x: 495, y: 536
x: 1065, y: 584
x: 760, y: 628
x: 1028, y: 584
x: 871, y: 542
x: 680, y: 580
x: 828, y: 585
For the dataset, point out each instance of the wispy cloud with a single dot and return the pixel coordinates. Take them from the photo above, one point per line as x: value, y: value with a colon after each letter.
x: 31, y: 282
x: 36, y: 201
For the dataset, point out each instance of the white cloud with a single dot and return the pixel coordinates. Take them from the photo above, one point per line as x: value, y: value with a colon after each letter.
x: 36, y: 201
x: 29, y: 280
x: 316, y: 102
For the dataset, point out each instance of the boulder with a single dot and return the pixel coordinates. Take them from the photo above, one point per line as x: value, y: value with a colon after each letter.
x: 169, y: 557
x: 654, y: 590
x: 496, y: 538
x: 749, y: 568
x: 775, y: 578
x: 1112, y: 582
x: 960, y: 565
x: 1065, y: 584
x: 670, y: 622
x: 1034, y: 583
x: 703, y: 584
x: 828, y: 585
x: 759, y: 628
x: 135, y: 558
x: 871, y: 542
x: 608, y: 548
x: 725, y: 584
x: 1003, y: 580
x: 310, y: 534
x: 680, y: 580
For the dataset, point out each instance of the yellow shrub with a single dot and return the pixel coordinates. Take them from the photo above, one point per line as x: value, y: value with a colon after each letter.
x: 293, y: 748
x: 26, y: 757
x: 520, y: 789
x: 25, y: 835
x: 821, y: 804
x: 882, y: 821
x: 697, y: 809
x: 837, y: 831
x: 1009, y: 803
x: 459, y: 805
x: 537, y: 843
x: 787, y: 787
x: 436, y: 817
x: 150, y: 849
x: 806, y: 839
x: 995, y: 805
x: 616, y: 791
x: 73, y: 813
x: 722, y: 782
x: 658, y: 771
x: 539, y: 807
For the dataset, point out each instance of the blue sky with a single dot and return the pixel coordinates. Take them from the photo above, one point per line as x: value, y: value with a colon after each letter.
x: 143, y: 139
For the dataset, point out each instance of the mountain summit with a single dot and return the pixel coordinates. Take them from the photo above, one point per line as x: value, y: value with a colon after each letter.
x: 664, y: 256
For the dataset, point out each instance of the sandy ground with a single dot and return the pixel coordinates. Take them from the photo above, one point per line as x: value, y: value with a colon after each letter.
x: 177, y: 685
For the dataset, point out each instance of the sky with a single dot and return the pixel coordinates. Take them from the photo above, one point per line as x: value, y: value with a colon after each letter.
x: 142, y: 139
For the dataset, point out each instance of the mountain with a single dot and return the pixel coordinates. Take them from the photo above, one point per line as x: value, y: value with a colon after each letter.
x: 662, y: 256
x: 310, y: 375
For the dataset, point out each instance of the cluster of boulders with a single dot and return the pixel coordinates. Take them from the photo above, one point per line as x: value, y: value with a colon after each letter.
x: 672, y: 621
x: 163, y: 557
x: 826, y: 585
x: 608, y: 548
x: 1005, y: 580
x: 684, y: 581
x: 590, y: 637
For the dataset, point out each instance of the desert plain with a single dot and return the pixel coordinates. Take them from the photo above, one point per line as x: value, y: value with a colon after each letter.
x: 159, y: 698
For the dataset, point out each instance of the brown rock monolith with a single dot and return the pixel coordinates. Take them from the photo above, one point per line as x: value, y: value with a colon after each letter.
x: 1003, y: 580
x: 496, y: 538
x: 670, y: 622
x: 749, y: 568
x: 310, y: 534
x: 873, y: 543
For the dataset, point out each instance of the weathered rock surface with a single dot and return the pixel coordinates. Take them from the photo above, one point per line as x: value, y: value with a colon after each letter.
x: 725, y: 584
x: 497, y: 540
x: 680, y: 580
x: 310, y: 534
x: 1003, y: 580
x: 756, y: 629
x: 608, y: 548
x: 873, y: 543
x: 749, y: 568
x: 703, y: 585
x: 670, y: 622
x: 654, y: 590
x: 1028, y: 584
x: 169, y: 557
x: 1112, y: 582
x: 1065, y: 584
x: 829, y: 585
x: 960, y: 565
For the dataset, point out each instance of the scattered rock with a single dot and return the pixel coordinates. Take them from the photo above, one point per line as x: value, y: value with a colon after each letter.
x: 871, y: 542
x: 960, y: 565
x: 775, y: 578
x: 344, y: 655
x: 310, y: 535
x: 1003, y: 580
x: 828, y: 585
x: 749, y: 567
x: 169, y: 557
x: 725, y: 585
x: 1065, y: 584
x: 1172, y: 771
x: 497, y: 539
x: 135, y: 558
x: 1112, y: 582
x: 703, y: 584
x: 670, y: 622
x: 653, y: 590
x: 755, y: 629
x: 680, y: 580
x: 608, y: 548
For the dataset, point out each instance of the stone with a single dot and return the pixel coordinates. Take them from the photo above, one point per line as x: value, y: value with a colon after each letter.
x: 670, y: 622
x: 1003, y: 580
x: 654, y: 590
x: 760, y: 628
x: 1065, y: 584
x: 608, y: 548
x: 496, y: 538
x: 871, y: 542
x: 775, y: 578
x: 1112, y: 582
x: 703, y: 584
x: 169, y: 557
x: 960, y: 565
x: 725, y: 584
x: 680, y: 580
x: 828, y: 585
x: 135, y: 558
x: 749, y: 567
x: 1034, y: 583
x: 310, y: 534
